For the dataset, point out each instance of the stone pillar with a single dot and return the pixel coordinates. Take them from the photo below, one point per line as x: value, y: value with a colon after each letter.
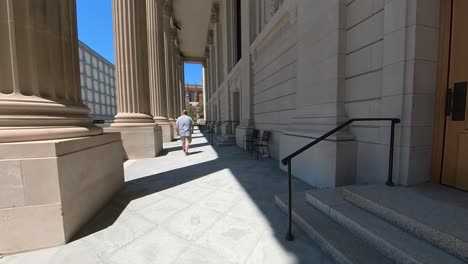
x: 179, y: 82
x: 205, y: 90
x: 50, y: 182
x: 168, y: 47
x: 40, y: 95
x: 141, y: 137
x: 157, y: 67
x: 182, y: 81
x: 175, y: 91
x: 176, y: 80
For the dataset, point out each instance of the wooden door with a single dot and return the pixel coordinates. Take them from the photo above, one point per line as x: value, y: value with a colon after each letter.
x: 455, y: 164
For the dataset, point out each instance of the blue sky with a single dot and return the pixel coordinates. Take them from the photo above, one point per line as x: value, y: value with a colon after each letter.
x: 95, y: 30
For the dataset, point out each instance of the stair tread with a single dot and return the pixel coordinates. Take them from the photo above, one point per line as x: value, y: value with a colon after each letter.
x: 341, y: 244
x: 434, y: 213
x: 443, y: 202
x: 392, y: 241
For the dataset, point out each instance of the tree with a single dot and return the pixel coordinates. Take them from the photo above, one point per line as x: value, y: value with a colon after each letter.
x: 191, y: 113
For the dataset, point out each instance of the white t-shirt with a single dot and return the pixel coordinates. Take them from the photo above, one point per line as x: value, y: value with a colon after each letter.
x: 185, y: 124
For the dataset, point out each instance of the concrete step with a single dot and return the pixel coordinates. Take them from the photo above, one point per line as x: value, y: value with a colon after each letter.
x: 434, y: 213
x: 393, y: 242
x: 333, y: 239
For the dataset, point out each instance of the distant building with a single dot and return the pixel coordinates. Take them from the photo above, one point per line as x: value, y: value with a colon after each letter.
x: 193, y: 93
x: 97, y: 84
x: 194, y: 99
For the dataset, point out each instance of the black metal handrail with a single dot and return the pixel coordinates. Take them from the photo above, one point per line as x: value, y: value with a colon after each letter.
x: 210, y: 130
x: 209, y: 125
x: 287, y: 160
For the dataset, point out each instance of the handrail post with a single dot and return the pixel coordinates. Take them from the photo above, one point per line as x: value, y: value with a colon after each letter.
x: 390, y: 156
x: 289, y: 235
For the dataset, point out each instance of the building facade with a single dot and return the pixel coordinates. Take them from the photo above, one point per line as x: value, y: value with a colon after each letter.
x: 300, y: 68
x: 97, y: 76
x: 194, y: 100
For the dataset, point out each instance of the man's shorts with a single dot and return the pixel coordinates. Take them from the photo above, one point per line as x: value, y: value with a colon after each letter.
x: 187, y: 139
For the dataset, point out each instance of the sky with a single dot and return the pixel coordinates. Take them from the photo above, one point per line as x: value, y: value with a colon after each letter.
x: 95, y: 30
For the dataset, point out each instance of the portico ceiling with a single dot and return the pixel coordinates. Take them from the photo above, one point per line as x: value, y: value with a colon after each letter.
x: 193, y: 17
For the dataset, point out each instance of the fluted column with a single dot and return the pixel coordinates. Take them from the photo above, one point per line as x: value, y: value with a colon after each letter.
x: 141, y: 137
x: 40, y: 95
x: 131, y: 64
x: 205, y: 90
x: 168, y: 46
x: 182, y: 81
x: 156, y: 60
x: 177, y: 82
x: 157, y: 66
x: 57, y: 169
x: 174, y: 75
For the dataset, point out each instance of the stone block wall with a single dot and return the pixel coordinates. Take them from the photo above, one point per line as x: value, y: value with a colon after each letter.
x: 314, y: 64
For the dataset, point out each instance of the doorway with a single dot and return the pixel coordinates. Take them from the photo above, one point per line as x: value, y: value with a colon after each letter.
x: 454, y: 171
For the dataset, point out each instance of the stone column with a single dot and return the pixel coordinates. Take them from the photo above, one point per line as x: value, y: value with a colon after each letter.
x: 205, y: 90
x: 141, y: 136
x: 157, y: 67
x: 40, y: 95
x: 179, y: 83
x: 168, y: 46
x: 176, y: 79
x: 50, y: 182
x: 182, y: 81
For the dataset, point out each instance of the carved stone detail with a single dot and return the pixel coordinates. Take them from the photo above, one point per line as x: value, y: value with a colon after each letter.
x: 282, y: 25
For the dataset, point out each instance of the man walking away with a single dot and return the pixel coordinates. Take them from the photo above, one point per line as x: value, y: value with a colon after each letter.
x: 184, y: 128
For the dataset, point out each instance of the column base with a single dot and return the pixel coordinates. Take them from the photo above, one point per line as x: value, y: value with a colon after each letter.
x: 139, y: 142
x: 166, y: 127
x: 331, y: 163
x: 50, y: 189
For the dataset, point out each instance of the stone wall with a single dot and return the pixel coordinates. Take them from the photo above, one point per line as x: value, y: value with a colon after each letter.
x: 391, y: 55
x: 274, y: 71
x: 311, y: 65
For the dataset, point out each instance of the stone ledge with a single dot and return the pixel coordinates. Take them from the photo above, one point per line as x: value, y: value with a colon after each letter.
x: 53, y: 148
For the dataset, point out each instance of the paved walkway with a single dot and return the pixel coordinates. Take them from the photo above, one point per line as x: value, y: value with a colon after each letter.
x: 214, y: 206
